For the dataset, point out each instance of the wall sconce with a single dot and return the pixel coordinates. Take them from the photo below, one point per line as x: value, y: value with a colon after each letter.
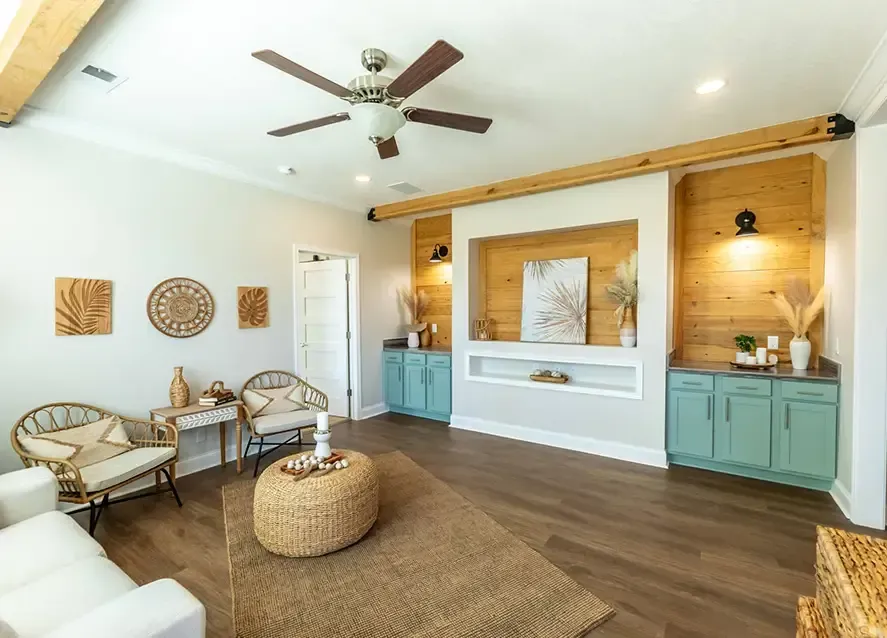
x: 442, y: 251
x: 746, y: 222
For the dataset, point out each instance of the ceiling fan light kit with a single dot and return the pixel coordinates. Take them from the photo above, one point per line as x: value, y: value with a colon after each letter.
x: 375, y: 99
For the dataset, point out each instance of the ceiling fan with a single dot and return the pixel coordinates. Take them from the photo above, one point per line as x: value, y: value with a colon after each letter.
x: 375, y: 99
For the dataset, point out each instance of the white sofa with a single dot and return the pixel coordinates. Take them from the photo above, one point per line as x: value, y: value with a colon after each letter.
x: 55, y: 580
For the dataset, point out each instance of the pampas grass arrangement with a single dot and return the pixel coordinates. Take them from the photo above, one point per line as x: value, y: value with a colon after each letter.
x: 623, y: 291
x: 415, y: 303
x: 799, y: 307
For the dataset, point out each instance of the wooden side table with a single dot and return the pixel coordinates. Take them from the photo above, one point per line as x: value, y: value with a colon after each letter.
x: 198, y: 416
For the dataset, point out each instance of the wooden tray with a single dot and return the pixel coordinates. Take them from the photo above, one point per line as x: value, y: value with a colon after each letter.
x: 336, y: 456
x: 541, y: 379
x: 753, y: 366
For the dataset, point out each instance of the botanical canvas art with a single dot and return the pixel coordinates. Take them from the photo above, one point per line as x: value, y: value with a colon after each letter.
x: 82, y: 306
x: 555, y: 300
x: 252, y: 307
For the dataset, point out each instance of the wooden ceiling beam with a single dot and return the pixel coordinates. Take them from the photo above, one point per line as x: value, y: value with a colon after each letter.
x: 813, y: 130
x: 40, y: 32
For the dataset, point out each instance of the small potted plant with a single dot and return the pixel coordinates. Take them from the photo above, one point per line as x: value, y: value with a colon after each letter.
x: 746, y: 345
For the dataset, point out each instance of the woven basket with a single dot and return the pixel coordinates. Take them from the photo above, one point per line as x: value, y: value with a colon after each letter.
x: 851, y: 584
x: 809, y: 620
x: 316, y: 515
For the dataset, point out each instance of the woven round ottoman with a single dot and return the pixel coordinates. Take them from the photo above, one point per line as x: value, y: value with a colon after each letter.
x: 319, y: 514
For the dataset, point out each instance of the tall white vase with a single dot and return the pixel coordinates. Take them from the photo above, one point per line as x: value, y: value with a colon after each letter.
x: 800, y: 352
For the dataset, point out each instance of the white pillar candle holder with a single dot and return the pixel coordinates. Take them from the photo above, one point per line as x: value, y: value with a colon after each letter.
x: 322, y: 436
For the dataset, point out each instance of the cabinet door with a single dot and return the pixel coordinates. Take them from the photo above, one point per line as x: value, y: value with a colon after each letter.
x: 414, y: 387
x: 394, y: 384
x: 808, y: 438
x: 746, y: 436
x: 691, y: 423
x: 439, y: 383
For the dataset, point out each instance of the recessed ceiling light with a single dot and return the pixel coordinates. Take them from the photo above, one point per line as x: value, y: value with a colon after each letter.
x: 285, y: 170
x: 362, y: 178
x: 710, y: 87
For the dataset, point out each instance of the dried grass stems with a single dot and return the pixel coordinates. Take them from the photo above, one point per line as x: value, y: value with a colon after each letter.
x: 415, y: 303
x: 623, y: 291
x: 799, y: 307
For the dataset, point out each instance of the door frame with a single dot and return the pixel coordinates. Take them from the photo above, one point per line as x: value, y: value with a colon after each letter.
x: 353, y: 317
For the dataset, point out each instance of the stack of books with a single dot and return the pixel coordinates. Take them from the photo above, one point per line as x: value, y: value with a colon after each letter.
x: 216, y: 395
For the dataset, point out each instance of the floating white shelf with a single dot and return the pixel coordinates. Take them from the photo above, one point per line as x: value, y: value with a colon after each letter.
x: 588, y: 375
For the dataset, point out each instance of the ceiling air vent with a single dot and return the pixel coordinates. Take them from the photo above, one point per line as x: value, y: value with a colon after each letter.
x: 405, y: 187
x: 99, y: 74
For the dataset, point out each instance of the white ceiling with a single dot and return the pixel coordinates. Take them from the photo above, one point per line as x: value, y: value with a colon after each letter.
x: 565, y: 81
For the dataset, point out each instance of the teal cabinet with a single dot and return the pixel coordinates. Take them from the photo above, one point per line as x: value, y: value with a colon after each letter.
x: 438, y: 394
x: 393, y: 384
x: 418, y: 384
x: 781, y: 430
x: 807, y: 438
x: 746, y: 430
x: 414, y: 387
x: 691, y: 423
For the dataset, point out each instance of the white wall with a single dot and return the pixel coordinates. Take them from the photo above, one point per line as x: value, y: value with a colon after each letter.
x: 69, y: 208
x: 840, y: 273
x: 870, y: 327
x: 631, y: 429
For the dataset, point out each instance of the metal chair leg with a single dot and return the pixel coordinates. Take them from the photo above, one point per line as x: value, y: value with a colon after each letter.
x: 258, y: 457
x: 93, y: 519
x: 172, y: 486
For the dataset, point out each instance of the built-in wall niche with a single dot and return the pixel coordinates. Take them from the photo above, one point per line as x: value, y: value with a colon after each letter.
x: 609, y: 378
x: 497, y: 271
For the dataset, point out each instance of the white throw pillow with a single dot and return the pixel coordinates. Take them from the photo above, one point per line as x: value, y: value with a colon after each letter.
x: 274, y: 400
x: 83, y: 445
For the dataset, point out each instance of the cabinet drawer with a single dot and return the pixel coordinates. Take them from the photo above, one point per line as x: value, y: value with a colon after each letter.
x: 438, y: 360
x: 746, y: 385
x: 393, y: 357
x: 819, y: 392
x: 683, y: 381
x: 414, y: 359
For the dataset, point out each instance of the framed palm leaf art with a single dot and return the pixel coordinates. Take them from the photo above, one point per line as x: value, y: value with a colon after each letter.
x: 554, y: 306
x: 82, y: 306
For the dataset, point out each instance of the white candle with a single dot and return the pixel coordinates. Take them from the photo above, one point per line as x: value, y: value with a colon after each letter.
x: 323, y: 421
x: 762, y: 355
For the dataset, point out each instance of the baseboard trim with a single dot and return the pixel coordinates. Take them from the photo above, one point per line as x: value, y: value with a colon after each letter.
x: 609, y: 449
x: 370, y: 411
x: 841, y: 497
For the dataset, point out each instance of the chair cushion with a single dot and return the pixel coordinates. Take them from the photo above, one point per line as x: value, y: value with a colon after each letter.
x: 83, y: 445
x: 274, y: 400
x: 40, y: 545
x: 26, y: 493
x: 6, y: 631
x: 284, y: 421
x: 120, y: 468
x: 63, y: 595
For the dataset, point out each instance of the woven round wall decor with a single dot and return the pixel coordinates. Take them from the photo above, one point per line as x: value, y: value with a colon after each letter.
x: 180, y: 307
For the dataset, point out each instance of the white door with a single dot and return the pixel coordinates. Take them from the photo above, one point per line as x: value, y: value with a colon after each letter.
x: 322, y: 298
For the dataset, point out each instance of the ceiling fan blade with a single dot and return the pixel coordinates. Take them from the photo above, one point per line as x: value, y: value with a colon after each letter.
x: 388, y: 148
x: 310, y: 124
x: 470, y: 123
x: 437, y: 59
x: 298, y: 71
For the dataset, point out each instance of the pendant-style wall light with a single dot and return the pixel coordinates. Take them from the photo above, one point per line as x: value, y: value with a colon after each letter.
x: 440, y: 252
x: 746, y: 222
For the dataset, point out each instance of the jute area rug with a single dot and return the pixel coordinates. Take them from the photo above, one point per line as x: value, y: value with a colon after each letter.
x: 433, y: 565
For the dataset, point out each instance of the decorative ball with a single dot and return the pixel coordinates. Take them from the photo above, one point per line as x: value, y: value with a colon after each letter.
x: 290, y: 465
x: 338, y: 465
x: 344, y: 462
x: 303, y: 458
x: 297, y: 466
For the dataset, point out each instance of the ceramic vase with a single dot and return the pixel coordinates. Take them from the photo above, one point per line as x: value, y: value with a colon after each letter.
x: 800, y: 352
x: 179, y: 392
x: 425, y: 338
x: 628, y: 331
x: 413, y: 340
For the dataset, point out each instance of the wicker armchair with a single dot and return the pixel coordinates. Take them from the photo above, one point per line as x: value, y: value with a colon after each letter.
x: 74, y: 487
x: 260, y: 427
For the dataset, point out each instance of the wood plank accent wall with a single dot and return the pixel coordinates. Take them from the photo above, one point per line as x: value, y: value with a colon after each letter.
x: 435, y: 279
x: 726, y: 283
x: 501, y: 263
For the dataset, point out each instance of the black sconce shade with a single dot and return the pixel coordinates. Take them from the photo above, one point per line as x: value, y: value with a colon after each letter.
x: 440, y: 252
x: 746, y: 222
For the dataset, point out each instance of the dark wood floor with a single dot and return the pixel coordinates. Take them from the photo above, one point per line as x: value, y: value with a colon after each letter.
x: 678, y: 553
